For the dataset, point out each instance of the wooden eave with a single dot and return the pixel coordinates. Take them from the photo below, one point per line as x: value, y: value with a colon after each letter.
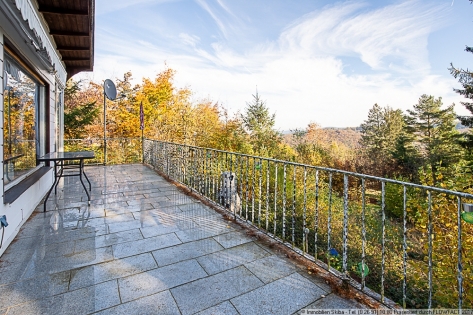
x: 71, y: 24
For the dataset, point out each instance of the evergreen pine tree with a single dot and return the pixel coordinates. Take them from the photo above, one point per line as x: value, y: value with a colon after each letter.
x: 259, y: 124
x: 77, y: 115
x: 379, y: 135
x: 435, y: 133
x: 381, y: 129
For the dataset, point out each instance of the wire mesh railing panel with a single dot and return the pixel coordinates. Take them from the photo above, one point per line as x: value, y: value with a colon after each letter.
x: 119, y: 150
x: 394, y: 240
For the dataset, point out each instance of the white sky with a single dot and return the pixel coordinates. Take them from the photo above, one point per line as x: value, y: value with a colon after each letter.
x: 312, y: 61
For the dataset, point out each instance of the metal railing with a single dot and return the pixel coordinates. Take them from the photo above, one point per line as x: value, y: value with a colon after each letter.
x: 393, y: 240
x: 119, y: 150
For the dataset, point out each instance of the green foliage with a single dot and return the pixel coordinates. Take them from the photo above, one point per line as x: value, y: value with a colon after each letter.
x: 78, y: 111
x: 77, y: 118
x: 407, y: 156
x: 381, y: 130
x: 435, y: 133
x: 259, y: 124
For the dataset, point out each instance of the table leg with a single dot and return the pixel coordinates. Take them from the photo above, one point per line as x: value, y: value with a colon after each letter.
x: 90, y: 186
x: 56, y: 180
x: 60, y: 175
x: 81, y: 171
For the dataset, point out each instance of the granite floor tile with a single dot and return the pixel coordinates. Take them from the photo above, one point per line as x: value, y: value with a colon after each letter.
x: 12, y: 271
x: 119, y: 218
x: 33, y: 289
x: 140, y: 207
x: 283, y: 296
x: 156, y: 197
x: 195, y: 234
x: 90, y: 275
x: 59, y: 249
x: 145, y: 245
x: 160, y: 229
x: 82, y: 301
x: 196, y: 210
x: 271, y: 268
x: 231, y: 258
x: 159, y: 279
x: 107, y: 240
x: 15, y: 254
x: 56, y: 264
x: 186, y: 251
x: 125, y: 226
x: 333, y: 301
x: 60, y: 235
x: 207, y: 292
x: 232, y: 239
x: 169, y: 203
x: 161, y: 303
x: 177, y: 219
x: 225, y: 308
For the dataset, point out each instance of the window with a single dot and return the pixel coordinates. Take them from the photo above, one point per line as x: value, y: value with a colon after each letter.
x: 20, y: 116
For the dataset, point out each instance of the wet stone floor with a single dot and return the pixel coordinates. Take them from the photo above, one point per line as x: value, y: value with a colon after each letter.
x: 144, y: 247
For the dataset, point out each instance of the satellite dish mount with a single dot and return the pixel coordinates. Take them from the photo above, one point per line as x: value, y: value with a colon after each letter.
x: 110, y: 92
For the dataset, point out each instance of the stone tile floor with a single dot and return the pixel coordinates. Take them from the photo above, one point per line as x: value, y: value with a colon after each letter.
x: 143, y: 247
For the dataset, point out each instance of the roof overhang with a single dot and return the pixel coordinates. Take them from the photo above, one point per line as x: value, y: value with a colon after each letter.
x: 71, y: 25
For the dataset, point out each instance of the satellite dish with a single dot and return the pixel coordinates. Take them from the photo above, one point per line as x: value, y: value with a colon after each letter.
x: 110, y: 90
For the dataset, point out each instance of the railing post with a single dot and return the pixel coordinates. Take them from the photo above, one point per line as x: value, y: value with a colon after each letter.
x: 275, y: 222
x: 459, y: 259
x: 267, y: 196
x: 293, y: 218
x: 345, y: 225
x: 329, y: 221
x: 316, y: 223
x: 305, y: 230
x: 363, y: 232
x: 383, y: 236
x: 284, y: 203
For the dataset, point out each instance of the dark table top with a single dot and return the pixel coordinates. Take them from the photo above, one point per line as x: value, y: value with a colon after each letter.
x: 66, y: 156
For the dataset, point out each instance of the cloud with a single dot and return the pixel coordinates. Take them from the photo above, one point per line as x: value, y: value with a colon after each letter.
x: 216, y: 17
x: 303, y: 73
x: 392, y: 36
x: 191, y: 40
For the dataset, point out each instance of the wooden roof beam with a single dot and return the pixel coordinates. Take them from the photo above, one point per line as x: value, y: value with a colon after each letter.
x: 68, y: 33
x: 72, y: 48
x: 57, y: 10
x: 75, y: 59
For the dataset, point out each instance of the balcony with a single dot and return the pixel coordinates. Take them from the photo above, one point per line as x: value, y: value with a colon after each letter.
x: 144, y: 247
x: 203, y: 231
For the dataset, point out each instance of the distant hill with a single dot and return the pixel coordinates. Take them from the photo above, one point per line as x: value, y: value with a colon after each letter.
x: 349, y: 136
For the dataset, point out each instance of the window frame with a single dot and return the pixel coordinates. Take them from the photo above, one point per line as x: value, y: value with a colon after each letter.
x: 40, y: 115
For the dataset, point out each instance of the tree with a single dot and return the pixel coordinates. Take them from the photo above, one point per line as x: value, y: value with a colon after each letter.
x: 406, y: 156
x: 381, y: 130
x: 380, y: 134
x: 79, y: 111
x: 259, y: 124
x: 435, y: 135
